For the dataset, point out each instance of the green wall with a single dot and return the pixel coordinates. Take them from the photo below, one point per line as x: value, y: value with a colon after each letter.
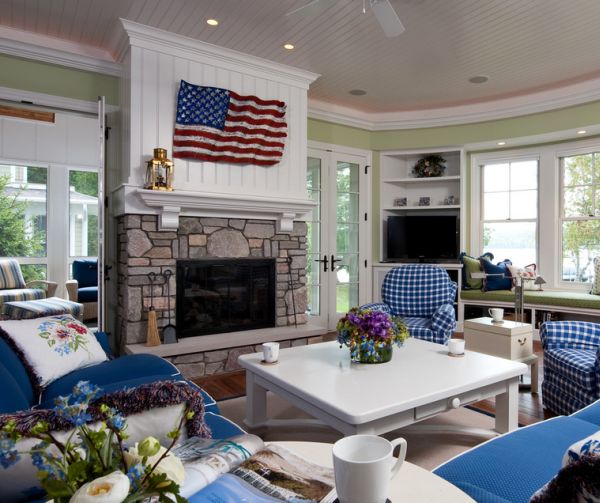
x: 504, y: 129
x: 56, y: 80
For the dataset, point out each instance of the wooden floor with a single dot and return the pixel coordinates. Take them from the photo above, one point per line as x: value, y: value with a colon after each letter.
x: 233, y: 384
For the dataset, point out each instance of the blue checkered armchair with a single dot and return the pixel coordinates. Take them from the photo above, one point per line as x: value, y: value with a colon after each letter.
x: 571, y: 365
x: 423, y: 296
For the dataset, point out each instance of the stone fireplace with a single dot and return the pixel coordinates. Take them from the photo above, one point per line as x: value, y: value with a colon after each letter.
x: 144, y: 249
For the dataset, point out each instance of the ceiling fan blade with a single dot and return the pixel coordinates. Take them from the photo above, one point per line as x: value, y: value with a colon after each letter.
x: 387, y: 17
x: 312, y: 8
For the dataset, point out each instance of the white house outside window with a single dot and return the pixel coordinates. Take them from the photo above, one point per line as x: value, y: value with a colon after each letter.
x: 27, y: 196
x: 509, y: 210
x: 580, y: 215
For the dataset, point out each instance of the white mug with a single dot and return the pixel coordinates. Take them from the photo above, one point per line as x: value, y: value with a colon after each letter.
x: 496, y: 313
x: 363, y: 467
x: 456, y: 346
x: 270, y: 351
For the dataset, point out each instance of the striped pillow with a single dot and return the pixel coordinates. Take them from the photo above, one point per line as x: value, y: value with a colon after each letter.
x: 10, y: 274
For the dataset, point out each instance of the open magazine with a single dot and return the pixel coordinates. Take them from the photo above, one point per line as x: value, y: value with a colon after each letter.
x: 243, y: 468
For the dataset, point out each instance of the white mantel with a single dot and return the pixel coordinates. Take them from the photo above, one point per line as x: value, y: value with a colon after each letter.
x: 169, y: 205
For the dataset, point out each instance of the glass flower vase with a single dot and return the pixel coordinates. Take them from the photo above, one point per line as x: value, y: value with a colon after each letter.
x: 369, y: 352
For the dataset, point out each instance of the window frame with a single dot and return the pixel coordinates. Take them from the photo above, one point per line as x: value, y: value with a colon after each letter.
x: 592, y: 149
x: 57, y: 259
x: 477, y: 200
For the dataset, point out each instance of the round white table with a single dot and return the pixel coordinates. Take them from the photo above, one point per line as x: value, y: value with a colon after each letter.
x: 412, y: 483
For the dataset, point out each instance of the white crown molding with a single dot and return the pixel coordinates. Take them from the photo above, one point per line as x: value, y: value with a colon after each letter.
x: 52, y: 101
x: 58, y: 52
x: 166, y: 42
x: 567, y: 96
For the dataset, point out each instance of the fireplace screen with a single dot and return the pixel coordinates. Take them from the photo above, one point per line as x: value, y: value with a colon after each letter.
x: 224, y: 295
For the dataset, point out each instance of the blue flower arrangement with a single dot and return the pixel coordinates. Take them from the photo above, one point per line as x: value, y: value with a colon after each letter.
x: 370, y: 334
x: 96, y: 461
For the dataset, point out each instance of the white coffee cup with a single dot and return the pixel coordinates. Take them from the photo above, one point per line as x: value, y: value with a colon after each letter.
x: 456, y: 346
x: 363, y: 467
x: 496, y: 313
x: 270, y: 351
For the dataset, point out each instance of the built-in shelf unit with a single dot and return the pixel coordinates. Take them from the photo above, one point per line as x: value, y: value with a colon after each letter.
x: 397, y: 181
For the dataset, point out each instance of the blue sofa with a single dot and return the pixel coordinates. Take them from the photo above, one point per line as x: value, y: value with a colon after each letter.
x: 513, y: 466
x: 113, y: 375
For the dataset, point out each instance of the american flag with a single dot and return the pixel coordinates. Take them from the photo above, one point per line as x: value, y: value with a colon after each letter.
x: 218, y: 125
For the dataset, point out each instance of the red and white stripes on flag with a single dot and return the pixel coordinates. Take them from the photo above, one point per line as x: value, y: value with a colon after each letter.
x: 218, y: 125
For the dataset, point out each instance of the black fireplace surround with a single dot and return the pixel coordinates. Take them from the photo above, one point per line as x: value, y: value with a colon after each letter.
x: 216, y: 295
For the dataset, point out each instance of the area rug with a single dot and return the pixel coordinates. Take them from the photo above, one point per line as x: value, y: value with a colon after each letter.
x: 427, y: 450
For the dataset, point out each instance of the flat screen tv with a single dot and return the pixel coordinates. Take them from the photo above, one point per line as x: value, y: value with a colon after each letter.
x: 424, y: 238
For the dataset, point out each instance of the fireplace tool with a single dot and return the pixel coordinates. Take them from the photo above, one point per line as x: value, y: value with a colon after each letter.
x: 152, y: 337
x: 291, y: 285
x: 169, y: 332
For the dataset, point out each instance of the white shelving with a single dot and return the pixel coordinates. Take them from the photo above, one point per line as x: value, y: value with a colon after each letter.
x: 398, y: 181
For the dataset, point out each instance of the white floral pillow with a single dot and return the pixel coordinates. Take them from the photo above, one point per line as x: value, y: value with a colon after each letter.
x: 525, y: 275
x: 52, y: 347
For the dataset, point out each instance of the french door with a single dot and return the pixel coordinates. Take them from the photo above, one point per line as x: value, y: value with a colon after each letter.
x: 338, y: 241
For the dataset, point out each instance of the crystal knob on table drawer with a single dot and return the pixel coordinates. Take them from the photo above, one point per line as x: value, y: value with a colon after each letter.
x: 455, y: 402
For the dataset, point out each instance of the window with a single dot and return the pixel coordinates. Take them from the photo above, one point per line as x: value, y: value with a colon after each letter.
x: 46, y: 246
x: 509, y: 210
x: 23, y: 210
x: 580, y: 216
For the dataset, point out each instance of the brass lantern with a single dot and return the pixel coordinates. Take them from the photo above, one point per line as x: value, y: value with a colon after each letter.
x: 159, y: 171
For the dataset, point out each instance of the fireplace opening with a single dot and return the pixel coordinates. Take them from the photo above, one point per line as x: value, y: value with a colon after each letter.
x: 224, y: 295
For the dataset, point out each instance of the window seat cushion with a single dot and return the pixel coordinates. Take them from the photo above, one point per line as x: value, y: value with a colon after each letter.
x: 579, y: 300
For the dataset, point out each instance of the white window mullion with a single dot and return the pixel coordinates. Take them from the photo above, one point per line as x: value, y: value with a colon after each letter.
x: 57, y: 226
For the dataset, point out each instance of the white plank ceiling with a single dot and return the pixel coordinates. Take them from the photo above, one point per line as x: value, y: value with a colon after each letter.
x: 523, y: 46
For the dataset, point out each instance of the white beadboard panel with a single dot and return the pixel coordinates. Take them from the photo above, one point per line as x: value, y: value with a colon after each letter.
x: 52, y: 140
x: 71, y: 140
x: 155, y: 77
x: 82, y: 143
x: 18, y: 139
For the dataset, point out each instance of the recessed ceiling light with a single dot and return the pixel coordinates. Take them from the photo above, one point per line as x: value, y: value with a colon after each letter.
x: 212, y: 22
x: 581, y: 131
x: 500, y: 143
x: 288, y: 46
x: 358, y: 92
x: 479, y: 79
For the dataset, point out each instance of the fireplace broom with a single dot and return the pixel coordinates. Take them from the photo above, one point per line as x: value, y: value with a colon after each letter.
x: 152, y: 337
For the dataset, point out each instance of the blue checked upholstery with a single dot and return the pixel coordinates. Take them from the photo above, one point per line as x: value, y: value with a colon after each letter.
x: 423, y: 296
x: 571, y: 365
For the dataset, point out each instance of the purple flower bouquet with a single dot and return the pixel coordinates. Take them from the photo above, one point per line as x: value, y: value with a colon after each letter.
x: 370, y: 334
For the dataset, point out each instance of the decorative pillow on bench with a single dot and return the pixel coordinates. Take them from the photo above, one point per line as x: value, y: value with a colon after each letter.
x: 51, y: 347
x: 579, y: 477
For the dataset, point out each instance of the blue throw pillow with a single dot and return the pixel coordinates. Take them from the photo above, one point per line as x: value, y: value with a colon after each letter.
x: 85, y: 271
x: 497, y: 276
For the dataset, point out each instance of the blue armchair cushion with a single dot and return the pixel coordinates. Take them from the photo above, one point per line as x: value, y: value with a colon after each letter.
x: 417, y: 290
x: 14, y: 366
x: 85, y: 271
x: 503, y: 466
x: 499, y: 279
x: 11, y: 397
x: 125, y: 371
x: 577, y: 365
x: 87, y: 294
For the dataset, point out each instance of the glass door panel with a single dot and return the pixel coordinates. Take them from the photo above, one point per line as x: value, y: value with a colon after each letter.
x: 334, y: 231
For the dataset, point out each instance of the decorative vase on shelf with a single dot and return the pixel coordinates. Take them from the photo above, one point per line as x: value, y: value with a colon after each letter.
x: 370, y: 334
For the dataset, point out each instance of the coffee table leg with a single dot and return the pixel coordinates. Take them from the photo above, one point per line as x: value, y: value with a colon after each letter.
x: 535, y: 375
x: 507, y: 408
x: 256, y: 403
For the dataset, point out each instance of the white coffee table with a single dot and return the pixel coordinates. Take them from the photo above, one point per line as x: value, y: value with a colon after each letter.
x: 421, y: 381
x: 412, y: 483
